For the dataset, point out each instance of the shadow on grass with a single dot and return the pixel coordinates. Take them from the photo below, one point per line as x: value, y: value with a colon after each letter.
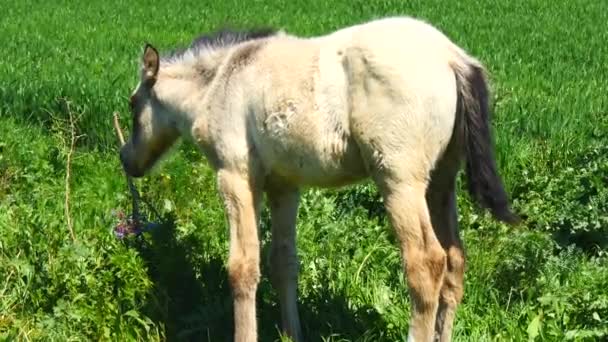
x: 328, y: 315
x: 192, y: 300
x: 591, y: 242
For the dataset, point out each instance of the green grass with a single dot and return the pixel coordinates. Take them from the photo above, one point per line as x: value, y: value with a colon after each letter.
x: 547, y: 280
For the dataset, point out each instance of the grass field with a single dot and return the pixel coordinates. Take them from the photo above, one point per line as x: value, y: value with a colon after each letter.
x: 545, y: 281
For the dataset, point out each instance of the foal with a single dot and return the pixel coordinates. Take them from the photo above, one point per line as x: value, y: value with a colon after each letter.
x: 393, y: 100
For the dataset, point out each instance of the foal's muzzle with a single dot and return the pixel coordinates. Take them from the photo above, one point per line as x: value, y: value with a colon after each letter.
x: 128, y: 165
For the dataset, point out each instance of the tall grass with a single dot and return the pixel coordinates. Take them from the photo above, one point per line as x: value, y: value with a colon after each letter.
x: 546, y: 280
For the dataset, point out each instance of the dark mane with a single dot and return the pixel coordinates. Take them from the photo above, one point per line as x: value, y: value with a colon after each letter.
x: 221, y: 38
x: 226, y: 37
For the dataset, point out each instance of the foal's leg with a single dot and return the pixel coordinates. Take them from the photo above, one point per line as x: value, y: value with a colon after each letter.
x: 423, y: 257
x: 441, y: 198
x: 242, y: 202
x: 283, y: 259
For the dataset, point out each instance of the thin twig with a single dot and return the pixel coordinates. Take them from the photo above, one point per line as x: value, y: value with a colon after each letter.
x: 68, y: 173
x: 121, y: 137
x: 134, y: 193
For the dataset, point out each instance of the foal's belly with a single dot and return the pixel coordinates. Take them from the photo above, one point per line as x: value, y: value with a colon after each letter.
x: 309, y: 153
x: 308, y: 166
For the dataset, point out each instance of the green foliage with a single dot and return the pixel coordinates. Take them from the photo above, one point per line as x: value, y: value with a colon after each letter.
x: 573, y: 198
x: 545, y: 280
x: 574, y: 301
x: 53, y: 287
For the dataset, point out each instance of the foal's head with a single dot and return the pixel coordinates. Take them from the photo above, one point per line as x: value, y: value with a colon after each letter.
x: 154, y: 128
x: 158, y: 102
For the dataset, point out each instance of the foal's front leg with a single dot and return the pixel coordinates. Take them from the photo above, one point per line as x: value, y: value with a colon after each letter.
x: 242, y: 204
x: 283, y: 259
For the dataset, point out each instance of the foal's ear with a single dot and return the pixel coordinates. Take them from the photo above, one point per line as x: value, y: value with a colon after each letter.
x: 150, y: 62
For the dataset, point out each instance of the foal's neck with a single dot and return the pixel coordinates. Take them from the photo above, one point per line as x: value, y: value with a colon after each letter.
x: 182, y: 87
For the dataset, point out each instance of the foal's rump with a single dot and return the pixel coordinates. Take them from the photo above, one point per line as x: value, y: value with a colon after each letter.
x: 402, y: 94
x: 409, y: 86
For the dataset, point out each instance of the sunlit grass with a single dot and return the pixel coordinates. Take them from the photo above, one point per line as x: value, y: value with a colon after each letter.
x: 547, y: 62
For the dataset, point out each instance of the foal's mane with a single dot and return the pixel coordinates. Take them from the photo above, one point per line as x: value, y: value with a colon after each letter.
x: 222, y: 38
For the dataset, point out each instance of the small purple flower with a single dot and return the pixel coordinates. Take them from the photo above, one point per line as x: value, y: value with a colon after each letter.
x: 129, y: 225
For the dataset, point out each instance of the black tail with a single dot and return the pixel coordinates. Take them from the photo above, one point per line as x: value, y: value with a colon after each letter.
x: 484, y: 182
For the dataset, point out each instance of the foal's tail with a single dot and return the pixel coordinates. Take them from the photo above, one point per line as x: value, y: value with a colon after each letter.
x: 484, y: 182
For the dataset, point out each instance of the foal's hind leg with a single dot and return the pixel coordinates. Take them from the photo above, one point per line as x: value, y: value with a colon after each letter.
x: 423, y: 257
x: 283, y: 259
x: 441, y: 198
